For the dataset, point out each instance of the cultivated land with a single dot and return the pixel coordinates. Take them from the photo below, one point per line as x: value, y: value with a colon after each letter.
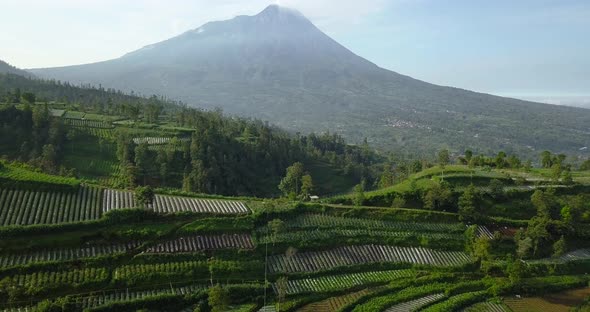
x: 77, y: 232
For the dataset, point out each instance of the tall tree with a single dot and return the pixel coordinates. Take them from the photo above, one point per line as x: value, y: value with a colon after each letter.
x: 468, y: 204
x: 291, y: 184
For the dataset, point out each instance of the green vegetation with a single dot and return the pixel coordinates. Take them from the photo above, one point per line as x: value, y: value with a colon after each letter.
x: 114, y: 202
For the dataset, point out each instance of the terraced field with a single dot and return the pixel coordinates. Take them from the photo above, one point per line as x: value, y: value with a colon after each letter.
x: 195, y: 243
x: 334, y: 303
x: 101, y: 298
x: 64, y: 254
x: 306, y: 221
x: 343, y: 281
x: 87, y: 123
x: 113, y: 199
x: 556, y: 302
x: 351, y: 255
x: 576, y: 255
x: 326, y: 234
x: 25, y: 207
x: 416, y: 304
x: 487, y: 307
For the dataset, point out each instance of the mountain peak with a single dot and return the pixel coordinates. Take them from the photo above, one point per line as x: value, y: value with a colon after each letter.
x: 275, y: 12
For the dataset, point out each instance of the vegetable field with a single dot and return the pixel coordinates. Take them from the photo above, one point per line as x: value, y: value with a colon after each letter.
x: 40, y: 279
x: 98, y: 299
x: 311, y: 235
x: 87, y: 123
x: 65, y: 254
x: 353, y: 255
x: 24, y: 207
x: 416, y: 304
x: 151, y: 140
x: 486, y: 307
x: 328, y: 221
x: 334, y: 303
x: 343, y: 281
x: 208, y: 242
x: 113, y: 199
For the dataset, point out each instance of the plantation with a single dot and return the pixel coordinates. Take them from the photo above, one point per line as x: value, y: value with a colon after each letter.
x: 113, y: 199
x: 354, y: 255
x: 26, y: 207
x: 166, y: 208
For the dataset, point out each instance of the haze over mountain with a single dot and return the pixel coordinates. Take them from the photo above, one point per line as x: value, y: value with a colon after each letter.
x: 7, y: 68
x: 278, y: 66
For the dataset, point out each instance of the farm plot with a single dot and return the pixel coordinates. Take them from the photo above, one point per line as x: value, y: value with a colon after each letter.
x: 487, y: 307
x: 334, y: 303
x: 98, y: 299
x: 25, y: 207
x: 352, y: 255
x: 64, y: 254
x: 555, y: 302
x: 576, y: 255
x: 205, y: 242
x: 416, y: 304
x: 317, y: 234
x: 328, y: 221
x: 41, y: 279
x: 152, y: 140
x: 343, y: 281
x: 483, y: 231
x: 88, y: 123
x: 113, y: 199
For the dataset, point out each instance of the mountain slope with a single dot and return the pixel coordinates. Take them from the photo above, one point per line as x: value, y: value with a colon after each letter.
x: 278, y: 66
x: 7, y: 68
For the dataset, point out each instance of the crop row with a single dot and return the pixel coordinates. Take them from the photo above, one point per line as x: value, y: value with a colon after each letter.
x: 576, y: 255
x: 482, y: 231
x: 72, y: 277
x: 64, y: 254
x: 87, y: 123
x: 415, y: 304
x: 206, y: 242
x: 313, y: 235
x: 95, y: 300
x: 151, y: 140
x: 486, y: 307
x: 26, y: 207
x: 328, y: 221
x: 113, y: 199
x: 354, y: 255
x: 342, y: 281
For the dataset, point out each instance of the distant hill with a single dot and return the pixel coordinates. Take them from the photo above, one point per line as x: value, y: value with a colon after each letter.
x: 7, y: 68
x: 278, y: 66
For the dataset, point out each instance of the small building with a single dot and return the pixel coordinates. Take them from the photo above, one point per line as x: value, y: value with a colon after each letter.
x: 314, y: 197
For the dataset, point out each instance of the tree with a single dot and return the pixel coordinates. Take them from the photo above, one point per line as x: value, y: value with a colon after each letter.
x: 468, y: 155
x: 559, y: 247
x: 546, y: 159
x: 218, y: 299
x: 443, y: 159
x: 585, y: 165
x: 48, y: 158
x: 556, y: 171
x: 306, y: 186
x: 467, y: 204
x: 291, y: 183
x: 567, y: 177
x: 359, y: 195
x: 282, y: 285
x: 29, y: 97
x: 386, y: 179
x: 481, y: 249
x: 516, y: 270
x: 438, y: 197
x: 144, y: 196
x: 276, y: 226
x: 496, y: 188
x: 500, y: 160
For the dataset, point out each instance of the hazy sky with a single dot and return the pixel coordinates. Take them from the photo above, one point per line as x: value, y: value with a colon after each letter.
x: 509, y: 47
